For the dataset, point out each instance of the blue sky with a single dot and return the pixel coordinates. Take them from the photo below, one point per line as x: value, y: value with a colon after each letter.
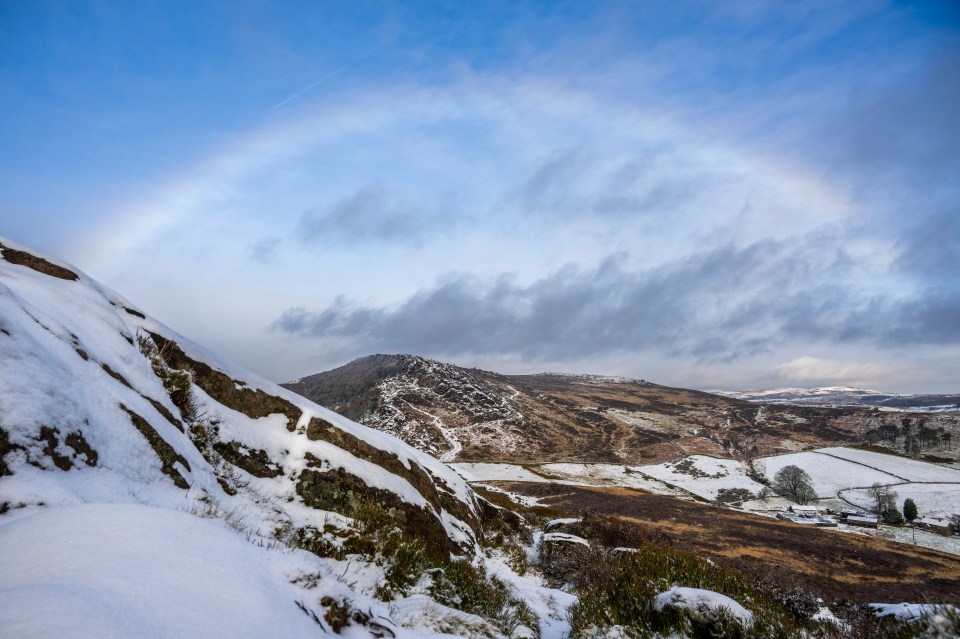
x: 718, y: 195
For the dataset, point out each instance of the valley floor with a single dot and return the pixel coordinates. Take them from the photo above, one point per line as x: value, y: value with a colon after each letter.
x: 840, y: 476
x: 837, y: 566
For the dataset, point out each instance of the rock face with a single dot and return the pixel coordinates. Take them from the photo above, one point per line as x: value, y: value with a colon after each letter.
x: 475, y: 415
x: 101, y: 403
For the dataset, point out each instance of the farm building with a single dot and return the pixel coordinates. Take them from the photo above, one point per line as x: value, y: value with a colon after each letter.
x: 806, y: 510
x: 943, y: 527
x: 809, y: 518
x: 864, y: 521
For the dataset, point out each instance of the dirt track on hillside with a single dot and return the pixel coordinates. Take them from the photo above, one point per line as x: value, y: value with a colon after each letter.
x: 835, y: 565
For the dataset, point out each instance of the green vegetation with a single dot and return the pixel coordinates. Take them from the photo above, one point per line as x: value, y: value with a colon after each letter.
x: 617, y: 588
x: 909, y: 509
x: 461, y: 585
x: 732, y: 495
x: 378, y: 535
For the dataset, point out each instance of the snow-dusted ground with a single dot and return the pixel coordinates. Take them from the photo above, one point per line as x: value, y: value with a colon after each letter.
x: 703, y: 476
x: 124, y: 570
x: 548, y: 604
x: 908, y: 469
x: 847, y: 474
x: 608, y: 475
x: 828, y: 474
x: 121, y: 570
x: 702, y: 601
x: 933, y: 500
x: 482, y: 471
x: 115, y: 526
x: 567, y: 473
x: 70, y: 361
x: 923, y: 538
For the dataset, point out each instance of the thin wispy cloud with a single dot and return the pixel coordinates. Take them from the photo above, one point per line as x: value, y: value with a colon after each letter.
x: 373, y: 214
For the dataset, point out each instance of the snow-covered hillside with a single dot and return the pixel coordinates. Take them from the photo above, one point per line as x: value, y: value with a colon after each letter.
x: 133, y: 460
x: 847, y: 396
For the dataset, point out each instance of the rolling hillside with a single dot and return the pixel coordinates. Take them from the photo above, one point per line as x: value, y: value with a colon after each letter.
x: 475, y: 415
x: 150, y: 488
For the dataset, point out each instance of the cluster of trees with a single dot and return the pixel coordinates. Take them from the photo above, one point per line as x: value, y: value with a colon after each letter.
x: 885, y: 500
x: 913, y: 436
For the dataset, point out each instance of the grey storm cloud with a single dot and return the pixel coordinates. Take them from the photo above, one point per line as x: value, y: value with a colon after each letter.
x: 720, y: 305
x: 372, y: 213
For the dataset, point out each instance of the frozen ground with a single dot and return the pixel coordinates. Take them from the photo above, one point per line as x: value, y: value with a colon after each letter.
x: 703, y: 476
x: 97, y: 466
x: 123, y: 570
x: 907, y: 469
x: 609, y: 475
x: 828, y: 474
x: 923, y: 538
x: 479, y: 472
x: 568, y: 473
x: 933, y: 500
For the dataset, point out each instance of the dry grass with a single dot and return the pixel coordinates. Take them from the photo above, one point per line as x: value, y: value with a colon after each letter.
x: 826, y: 562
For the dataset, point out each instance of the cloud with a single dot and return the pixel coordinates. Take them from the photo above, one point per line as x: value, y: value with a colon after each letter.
x: 721, y: 305
x: 931, y: 319
x: 549, y: 186
x: 372, y: 213
x: 814, y: 371
x: 725, y: 303
x: 906, y: 130
x: 608, y: 185
x: 264, y: 250
x: 930, y: 248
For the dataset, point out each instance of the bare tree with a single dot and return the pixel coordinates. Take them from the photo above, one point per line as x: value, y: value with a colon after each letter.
x: 794, y: 483
x: 883, y: 497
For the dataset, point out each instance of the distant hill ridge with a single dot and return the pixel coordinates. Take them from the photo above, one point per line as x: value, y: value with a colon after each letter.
x: 475, y: 415
x: 846, y: 396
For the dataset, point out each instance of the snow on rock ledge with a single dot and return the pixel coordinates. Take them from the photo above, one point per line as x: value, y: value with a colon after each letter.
x: 704, y: 602
x: 86, y: 417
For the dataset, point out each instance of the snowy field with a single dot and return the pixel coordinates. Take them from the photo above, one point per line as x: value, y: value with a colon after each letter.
x: 483, y: 471
x: 703, y: 476
x: 608, y: 475
x: 906, y: 469
x: 836, y: 475
x: 923, y: 538
x: 829, y: 475
x: 933, y: 500
x: 567, y: 473
x: 905, y: 535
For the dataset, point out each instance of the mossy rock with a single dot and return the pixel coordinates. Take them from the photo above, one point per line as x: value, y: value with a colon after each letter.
x: 22, y: 258
x: 168, y: 456
x: 253, y: 460
x: 424, y: 482
x: 5, y: 447
x: 222, y: 388
x: 340, y: 491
